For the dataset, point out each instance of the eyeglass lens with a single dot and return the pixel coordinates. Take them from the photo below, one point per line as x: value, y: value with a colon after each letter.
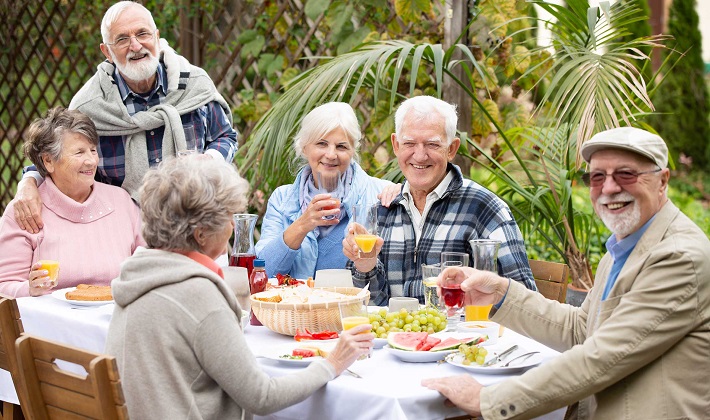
x: 596, y: 179
x: 124, y: 41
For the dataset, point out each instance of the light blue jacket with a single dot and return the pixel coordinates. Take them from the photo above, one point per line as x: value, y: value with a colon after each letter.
x: 315, y: 253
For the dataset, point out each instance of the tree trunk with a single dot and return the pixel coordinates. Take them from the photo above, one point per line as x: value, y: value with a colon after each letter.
x: 580, y: 270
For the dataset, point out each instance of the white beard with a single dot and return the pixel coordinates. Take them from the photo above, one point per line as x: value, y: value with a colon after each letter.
x: 621, y: 225
x: 137, y: 71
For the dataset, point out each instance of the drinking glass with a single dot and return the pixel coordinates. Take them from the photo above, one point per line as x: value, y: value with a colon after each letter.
x: 52, y: 266
x: 365, y: 227
x: 454, y: 259
x: 485, y: 257
x: 334, y: 185
x: 453, y: 298
x: 352, y: 315
x: 430, y: 272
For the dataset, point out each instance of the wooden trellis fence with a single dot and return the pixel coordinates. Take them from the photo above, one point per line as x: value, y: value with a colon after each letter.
x: 51, y: 48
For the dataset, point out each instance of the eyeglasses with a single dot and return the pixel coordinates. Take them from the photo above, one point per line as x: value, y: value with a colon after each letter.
x: 597, y: 179
x: 125, y: 41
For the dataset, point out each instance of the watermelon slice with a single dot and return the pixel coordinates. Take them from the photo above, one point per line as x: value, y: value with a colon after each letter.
x: 453, y: 343
x: 410, y: 341
x: 429, y: 343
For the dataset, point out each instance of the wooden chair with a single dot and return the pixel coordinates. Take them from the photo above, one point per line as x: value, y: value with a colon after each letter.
x: 10, y: 330
x: 55, y: 393
x: 551, y: 279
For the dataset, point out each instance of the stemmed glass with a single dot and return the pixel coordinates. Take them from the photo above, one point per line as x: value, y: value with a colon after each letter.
x: 365, y: 229
x: 332, y: 184
x: 451, y: 292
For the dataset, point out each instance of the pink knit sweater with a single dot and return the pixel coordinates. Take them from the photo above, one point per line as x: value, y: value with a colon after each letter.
x: 90, y: 239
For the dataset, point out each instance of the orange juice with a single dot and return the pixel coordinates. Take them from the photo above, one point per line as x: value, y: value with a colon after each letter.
x: 366, y: 242
x: 477, y: 313
x: 354, y: 321
x: 52, y: 268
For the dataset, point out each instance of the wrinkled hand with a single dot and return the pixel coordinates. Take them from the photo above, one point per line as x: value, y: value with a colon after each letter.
x: 352, y: 344
x: 363, y: 262
x: 39, y: 281
x: 389, y: 193
x: 313, y: 216
x: 480, y: 287
x: 462, y: 391
x: 28, y: 206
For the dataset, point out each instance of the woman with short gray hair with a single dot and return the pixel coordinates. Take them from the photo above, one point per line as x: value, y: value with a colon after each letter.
x: 176, y: 331
x: 89, y: 227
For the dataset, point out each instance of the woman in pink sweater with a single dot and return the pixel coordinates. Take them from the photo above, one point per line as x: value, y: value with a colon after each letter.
x: 89, y: 227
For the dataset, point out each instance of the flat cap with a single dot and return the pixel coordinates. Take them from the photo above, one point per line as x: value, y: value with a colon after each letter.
x: 633, y: 139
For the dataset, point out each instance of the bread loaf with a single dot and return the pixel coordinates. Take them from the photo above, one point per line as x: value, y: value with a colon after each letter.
x: 89, y: 292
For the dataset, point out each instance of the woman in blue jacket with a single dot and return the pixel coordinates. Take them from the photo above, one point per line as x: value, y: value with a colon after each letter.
x: 303, y: 229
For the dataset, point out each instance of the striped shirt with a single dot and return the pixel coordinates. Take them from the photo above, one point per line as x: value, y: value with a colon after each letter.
x: 465, y: 212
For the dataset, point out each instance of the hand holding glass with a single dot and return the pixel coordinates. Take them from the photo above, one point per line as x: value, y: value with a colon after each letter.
x: 352, y: 315
x: 365, y: 229
x: 331, y: 184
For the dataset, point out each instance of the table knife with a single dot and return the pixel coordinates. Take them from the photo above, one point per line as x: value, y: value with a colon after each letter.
x: 500, y: 357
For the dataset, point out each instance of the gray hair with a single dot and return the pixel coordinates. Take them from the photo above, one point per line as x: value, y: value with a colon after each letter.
x: 112, y: 14
x: 186, y: 193
x: 45, y: 137
x: 423, y: 108
x: 324, y: 119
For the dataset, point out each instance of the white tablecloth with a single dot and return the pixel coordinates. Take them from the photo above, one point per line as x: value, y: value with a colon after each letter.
x: 389, y: 388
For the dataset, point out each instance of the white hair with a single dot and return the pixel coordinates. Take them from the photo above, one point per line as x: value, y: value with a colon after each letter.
x: 425, y: 107
x: 324, y: 119
x: 112, y: 14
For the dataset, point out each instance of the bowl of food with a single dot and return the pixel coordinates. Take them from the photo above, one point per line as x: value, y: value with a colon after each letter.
x: 299, y: 308
x: 484, y: 328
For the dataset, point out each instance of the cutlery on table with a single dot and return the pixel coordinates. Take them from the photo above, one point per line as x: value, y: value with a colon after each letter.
x: 521, y: 358
x: 353, y: 373
x: 499, y: 358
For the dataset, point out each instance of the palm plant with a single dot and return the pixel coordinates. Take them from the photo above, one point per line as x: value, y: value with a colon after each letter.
x: 594, y: 85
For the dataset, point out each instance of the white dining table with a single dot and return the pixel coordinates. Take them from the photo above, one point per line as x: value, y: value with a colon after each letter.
x: 388, y: 388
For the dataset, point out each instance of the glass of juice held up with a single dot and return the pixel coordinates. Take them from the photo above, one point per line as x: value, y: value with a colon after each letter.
x: 352, y: 315
x: 365, y: 228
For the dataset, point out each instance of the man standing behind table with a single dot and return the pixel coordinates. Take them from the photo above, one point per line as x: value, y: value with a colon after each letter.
x: 147, y: 102
x: 638, y: 346
x: 438, y: 210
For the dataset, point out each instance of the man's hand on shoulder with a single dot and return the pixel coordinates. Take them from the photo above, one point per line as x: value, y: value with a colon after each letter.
x: 28, y: 206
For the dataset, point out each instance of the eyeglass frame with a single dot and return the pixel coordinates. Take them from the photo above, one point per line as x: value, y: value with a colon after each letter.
x: 120, y: 39
x: 587, y: 180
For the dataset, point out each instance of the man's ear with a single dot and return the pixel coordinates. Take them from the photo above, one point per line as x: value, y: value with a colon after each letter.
x: 107, y: 54
x: 395, y: 143
x: 454, y: 148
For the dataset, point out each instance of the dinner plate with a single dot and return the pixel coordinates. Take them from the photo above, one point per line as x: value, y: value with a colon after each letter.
x: 379, y: 343
x: 61, y: 295
x: 418, y: 356
x: 456, y: 359
x: 278, y: 353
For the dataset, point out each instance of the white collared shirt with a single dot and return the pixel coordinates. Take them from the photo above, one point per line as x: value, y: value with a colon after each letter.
x: 436, y: 194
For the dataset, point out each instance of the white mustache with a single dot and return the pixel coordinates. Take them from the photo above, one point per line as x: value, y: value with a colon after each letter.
x: 142, y: 51
x: 623, y: 196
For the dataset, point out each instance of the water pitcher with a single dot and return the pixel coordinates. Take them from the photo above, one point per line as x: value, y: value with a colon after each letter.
x: 243, y: 250
x: 485, y: 254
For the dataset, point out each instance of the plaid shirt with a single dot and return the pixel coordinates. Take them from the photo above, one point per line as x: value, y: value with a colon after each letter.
x: 207, y: 126
x: 465, y: 212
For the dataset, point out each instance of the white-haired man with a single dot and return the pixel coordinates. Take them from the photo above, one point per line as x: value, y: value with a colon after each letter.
x: 637, y: 348
x: 438, y: 210
x: 147, y: 102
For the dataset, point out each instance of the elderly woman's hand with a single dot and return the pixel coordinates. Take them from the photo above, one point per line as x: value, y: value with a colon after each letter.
x: 39, y: 281
x: 352, y: 251
x: 462, y: 391
x: 389, y: 193
x: 321, y: 205
x: 352, y: 344
x: 28, y: 206
x: 480, y: 287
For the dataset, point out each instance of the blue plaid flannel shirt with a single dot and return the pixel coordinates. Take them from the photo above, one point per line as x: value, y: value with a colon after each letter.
x: 465, y: 212
x: 207, y: 126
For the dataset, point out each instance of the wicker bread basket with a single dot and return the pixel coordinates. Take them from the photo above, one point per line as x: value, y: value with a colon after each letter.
x: 287, y: 318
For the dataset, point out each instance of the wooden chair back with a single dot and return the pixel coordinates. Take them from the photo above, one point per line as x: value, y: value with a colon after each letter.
x: 550, y: 279
x: 56, y: 393
x: 10, y: 330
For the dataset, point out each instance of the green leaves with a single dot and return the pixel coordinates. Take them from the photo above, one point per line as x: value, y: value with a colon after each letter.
x: 411, y: 10
x: 314, y: 8
x: 252, y: 43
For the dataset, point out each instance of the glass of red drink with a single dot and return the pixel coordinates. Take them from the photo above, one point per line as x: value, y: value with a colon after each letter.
x: 333, y: 184
x: 453, y: 298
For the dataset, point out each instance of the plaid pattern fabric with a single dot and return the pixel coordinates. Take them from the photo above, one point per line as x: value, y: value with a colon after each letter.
x: 466, y: 211
x: 208, y: 127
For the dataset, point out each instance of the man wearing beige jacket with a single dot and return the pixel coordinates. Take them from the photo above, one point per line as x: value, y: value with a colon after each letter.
x: 638, y: 347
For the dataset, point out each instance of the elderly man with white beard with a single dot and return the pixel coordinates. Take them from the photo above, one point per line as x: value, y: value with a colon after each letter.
x: 148, y: 103
x: 637, y: 348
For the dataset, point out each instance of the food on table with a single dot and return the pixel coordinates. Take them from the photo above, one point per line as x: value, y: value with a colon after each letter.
x: 286, y: 280
x: 310, y: 282
x: 472, y: 354
x: 299, y: 294
x: 303, y: 352
x: 421, y: 341
x: 307, y: 335
x: 88, y: 292
x: 428, y: 320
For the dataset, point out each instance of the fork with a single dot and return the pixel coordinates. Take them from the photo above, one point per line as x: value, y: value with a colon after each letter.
x: 353, y: 373
x: 520, y: 358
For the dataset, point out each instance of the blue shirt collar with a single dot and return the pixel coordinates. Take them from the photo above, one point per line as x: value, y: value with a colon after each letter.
x: 621, y: 248
x: 124, y: 90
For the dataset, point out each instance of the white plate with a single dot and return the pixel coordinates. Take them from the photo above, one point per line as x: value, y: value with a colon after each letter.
x: 379, y: 343
x: 534, y: 360
x: 61, y: 295
x: 418, y: 356
x: 287, y: 350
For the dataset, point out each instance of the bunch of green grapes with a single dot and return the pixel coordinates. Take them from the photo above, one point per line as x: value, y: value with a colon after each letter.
x: 428, y: 320
x: 473, y: 354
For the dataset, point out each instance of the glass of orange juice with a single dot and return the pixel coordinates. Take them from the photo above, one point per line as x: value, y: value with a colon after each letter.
x: 352, y: 315
x: 365, y: 228
x: 52, y: 267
